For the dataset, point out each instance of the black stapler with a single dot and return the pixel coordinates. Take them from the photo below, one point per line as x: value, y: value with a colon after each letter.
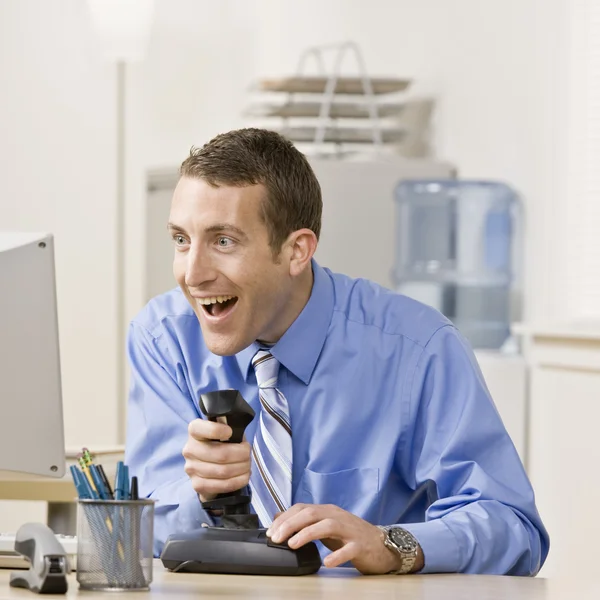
x: 49, y: 567
x: 238, y: 545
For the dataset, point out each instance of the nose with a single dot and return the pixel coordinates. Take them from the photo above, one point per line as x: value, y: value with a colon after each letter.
x: 199, y: 268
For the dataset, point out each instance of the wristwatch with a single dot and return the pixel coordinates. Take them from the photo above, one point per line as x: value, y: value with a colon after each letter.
x: 404, y: 544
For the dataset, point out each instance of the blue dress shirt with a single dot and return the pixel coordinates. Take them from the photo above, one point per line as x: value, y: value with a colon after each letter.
x: 391, y: 421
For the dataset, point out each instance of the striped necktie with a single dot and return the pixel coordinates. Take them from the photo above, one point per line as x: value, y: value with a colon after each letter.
x: 271, y: 476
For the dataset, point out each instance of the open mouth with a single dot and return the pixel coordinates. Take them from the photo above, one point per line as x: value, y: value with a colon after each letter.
x: 217, y: 306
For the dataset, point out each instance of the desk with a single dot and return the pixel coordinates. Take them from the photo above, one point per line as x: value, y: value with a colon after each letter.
x: 19, y: 486
x: 59, y: 493
x: 330, y: 584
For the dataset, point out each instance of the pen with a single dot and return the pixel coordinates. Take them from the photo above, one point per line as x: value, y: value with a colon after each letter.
x: 134, y: 488
x: 79, y: 484
x: 90, y: 490
x: 119, y: 481
x: 125, y: 482
x: 105, y: 481
x: 100, y: 488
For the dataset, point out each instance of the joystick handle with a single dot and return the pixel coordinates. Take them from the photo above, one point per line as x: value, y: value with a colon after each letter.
x: 231, y: 405
x: 228, y: 406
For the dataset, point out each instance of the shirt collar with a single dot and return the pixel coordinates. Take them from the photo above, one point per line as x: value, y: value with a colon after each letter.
x: 300, y: 346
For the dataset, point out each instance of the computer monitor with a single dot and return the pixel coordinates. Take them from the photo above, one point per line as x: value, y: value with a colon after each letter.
x: 31, y: 416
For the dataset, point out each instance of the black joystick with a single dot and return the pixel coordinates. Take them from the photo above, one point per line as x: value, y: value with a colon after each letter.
x: 238, y: 545
x: 228, y: 406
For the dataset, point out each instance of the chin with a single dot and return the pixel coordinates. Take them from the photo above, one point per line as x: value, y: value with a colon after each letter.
x: 224, y: 347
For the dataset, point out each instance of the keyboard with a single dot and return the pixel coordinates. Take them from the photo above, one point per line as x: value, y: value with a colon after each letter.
x: 9, y: 559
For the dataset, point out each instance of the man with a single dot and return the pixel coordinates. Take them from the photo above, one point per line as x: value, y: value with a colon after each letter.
x: 372, y: 408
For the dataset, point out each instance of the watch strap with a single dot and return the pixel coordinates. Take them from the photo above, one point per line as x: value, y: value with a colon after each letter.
x: 408, y: 558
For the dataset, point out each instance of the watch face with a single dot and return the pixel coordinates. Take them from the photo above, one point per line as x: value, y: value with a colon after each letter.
x: 404, y: 540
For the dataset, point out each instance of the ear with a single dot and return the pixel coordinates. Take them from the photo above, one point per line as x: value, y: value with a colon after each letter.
x: 302, y: 245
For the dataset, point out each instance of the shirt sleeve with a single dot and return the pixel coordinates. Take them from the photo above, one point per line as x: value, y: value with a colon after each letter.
x: 484, y: 519
x: 157, y: 424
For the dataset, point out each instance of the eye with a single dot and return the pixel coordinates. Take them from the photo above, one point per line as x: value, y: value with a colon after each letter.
x: 224, y: 242
x: 179, y: 240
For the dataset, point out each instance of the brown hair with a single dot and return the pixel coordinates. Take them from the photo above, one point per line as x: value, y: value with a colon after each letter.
x: 257, y: 156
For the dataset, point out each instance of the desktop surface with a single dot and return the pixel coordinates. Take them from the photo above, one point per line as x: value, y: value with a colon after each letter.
x: 338, y: 583
x: 26, y: 486
x: 23, y: 486
x: 59, y: 493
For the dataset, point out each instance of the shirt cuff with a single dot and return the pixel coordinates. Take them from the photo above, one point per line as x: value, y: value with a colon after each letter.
x: 439, y: 545
x: 190, y: 511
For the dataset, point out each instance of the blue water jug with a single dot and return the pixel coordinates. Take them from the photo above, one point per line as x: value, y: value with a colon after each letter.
x: 458, y: 249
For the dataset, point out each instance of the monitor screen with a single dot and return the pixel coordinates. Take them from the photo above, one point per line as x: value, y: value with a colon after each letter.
x: 31, y: 417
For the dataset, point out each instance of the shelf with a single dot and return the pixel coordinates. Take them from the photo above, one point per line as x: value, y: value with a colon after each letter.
x: 344, y: 85
x: 338, y: 110
x: 342, y: 135
x: 314, y: 106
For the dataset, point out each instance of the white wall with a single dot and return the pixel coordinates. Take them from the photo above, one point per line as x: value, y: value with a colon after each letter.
x: 191, y: 87
x: 57, y: 174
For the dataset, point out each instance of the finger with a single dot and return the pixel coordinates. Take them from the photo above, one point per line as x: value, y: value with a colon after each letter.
x: 282, y: 517
x: 294, y: 523
x: 321, y: 529
x: 210, y: 487
x: 201, y: 429
x: 215, y: 470
x: 216, y: 452
x: 347, y: 552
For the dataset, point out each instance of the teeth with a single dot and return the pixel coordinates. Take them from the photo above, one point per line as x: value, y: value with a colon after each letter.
x: 214, y: 300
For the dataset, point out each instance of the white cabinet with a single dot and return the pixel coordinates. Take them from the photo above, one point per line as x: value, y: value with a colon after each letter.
x: 359, y: 216
x: 564, y: 453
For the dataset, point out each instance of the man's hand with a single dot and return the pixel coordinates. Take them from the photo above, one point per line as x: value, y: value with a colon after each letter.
x: 348, y: 536
x: 214, y: 467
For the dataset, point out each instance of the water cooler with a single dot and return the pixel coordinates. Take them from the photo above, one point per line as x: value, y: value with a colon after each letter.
x: 458, y: 249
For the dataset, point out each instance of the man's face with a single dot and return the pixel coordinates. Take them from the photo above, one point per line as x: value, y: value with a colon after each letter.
x: 225, y: 266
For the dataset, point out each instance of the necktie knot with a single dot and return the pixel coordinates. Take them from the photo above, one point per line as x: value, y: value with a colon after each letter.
x: 266, y: 367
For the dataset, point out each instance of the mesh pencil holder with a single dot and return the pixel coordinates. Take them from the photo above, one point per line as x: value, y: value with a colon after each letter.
x: 114, y: 544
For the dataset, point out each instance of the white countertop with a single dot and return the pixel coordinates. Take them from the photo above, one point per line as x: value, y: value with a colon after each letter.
x: 580, y: 330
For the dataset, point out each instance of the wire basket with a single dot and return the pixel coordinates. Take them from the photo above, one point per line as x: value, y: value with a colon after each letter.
x: 115, y: 544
